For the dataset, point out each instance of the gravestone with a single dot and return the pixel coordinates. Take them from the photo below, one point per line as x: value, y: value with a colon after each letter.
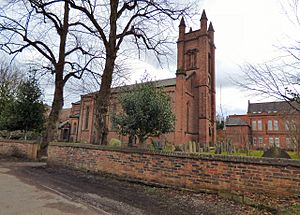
x: 276, y: 152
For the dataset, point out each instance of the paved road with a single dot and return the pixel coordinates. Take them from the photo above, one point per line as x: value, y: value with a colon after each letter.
x: 19, y: 198
x: 35, y: 189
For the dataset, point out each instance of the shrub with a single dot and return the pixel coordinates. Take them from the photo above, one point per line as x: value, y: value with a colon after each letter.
x: 115, y: 143
x: 150, y: 147
x: 168, y: 147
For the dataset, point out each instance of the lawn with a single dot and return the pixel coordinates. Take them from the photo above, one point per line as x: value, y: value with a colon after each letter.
x: 253, y: 153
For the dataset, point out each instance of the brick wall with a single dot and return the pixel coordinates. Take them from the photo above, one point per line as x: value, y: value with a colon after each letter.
x: 214, y: 172
x: 27, y: 149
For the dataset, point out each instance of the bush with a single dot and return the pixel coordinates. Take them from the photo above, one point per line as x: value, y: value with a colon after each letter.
x: 115, y: 143
x: 150, y: 147
x: 168, y: 147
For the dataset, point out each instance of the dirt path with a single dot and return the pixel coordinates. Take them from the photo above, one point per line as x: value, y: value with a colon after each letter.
x: 111, y: 196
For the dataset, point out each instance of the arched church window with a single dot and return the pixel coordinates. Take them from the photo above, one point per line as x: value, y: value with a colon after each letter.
x: 74, y: 128
x: 192, y: 58
x: 86, y: 120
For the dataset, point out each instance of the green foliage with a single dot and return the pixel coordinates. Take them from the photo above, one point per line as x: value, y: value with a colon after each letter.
x: 22, y: 109
x: 146, y: 112
x: 253, y: 153
x: 168, y: 147
x: 161, y: 146
x: 9, y: 82
x: 151, y: 147
x: 29, y: 109
x: 115, y: 143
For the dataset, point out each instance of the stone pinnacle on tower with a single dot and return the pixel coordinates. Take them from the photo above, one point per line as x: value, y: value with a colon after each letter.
x: 181, y: 29
x: 211, y: 31
x: 211, y: 27
x: 203, y: 21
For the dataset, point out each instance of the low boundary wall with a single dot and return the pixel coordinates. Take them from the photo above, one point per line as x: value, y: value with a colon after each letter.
x: 19, y: 148
x: 233, y: 174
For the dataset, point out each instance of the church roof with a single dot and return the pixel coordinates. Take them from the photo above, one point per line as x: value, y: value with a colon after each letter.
x: 235, y: 122
x: 160, y: 83
x: 273, y: 107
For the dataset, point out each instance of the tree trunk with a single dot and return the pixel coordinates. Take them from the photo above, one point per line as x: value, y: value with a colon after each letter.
x: 57, y: 104
x: 103, y: 96
x: 102, y: 103
x: 58, y: 100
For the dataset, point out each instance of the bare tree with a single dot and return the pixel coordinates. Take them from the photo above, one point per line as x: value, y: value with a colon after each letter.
x: 271, y: 80
x: 143, y: 23
x: 45, y: 32
x: 293, y: 131
x: 280, y: 77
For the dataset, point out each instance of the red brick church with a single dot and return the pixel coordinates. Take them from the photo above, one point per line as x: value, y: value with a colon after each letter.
x: 192, y: 92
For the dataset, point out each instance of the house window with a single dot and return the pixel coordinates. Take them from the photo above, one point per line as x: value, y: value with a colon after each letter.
x: 270, y: 126
x: 260, y: 140
x: 277, y: 142
x: 254, y: 140
x: 276, y: 127
x: 271, y: 141
x: 86, y: 120
x: 290, y: 126
x: 254, y: 125
x: 259, y: 125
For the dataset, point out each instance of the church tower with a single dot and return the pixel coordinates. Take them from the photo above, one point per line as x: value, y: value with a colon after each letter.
x: 195, y: 100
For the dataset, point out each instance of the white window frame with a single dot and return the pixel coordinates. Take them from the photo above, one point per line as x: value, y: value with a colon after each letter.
x: 276, y: 125
x: 254, y: 125
x: 259, y: 125
x: 277, y: 141
x: 270, y: 125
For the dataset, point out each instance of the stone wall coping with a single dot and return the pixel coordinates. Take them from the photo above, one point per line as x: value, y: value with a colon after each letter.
x: 18, y: 141
x: 223, y: 158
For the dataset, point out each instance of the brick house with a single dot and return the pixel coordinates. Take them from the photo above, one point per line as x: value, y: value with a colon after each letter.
x: 192, y: 93
x: 264, y: 125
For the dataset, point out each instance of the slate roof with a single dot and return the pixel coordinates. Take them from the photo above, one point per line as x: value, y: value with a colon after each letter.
x: 235, y: 122
x: 272, y: 107
x: 160, y: 83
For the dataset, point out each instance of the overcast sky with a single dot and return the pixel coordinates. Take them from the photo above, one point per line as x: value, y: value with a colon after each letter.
x: 245, y: 31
